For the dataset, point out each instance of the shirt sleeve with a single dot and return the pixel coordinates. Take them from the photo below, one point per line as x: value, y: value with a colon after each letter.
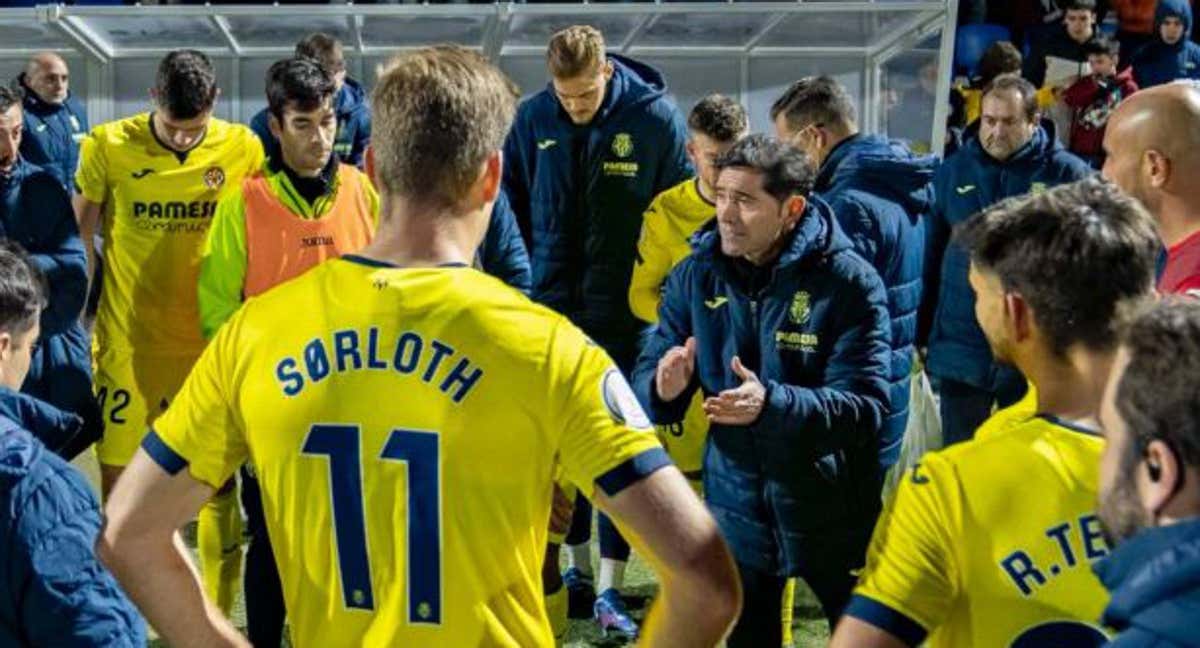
x: 201, y: 430
x: 910, y: 581
x: 606, y: 439
x: 651, y: 266
x: 223, y: 265
x: 91, y: 179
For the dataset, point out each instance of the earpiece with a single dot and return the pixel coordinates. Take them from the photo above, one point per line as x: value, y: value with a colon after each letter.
x: 1154, y: 470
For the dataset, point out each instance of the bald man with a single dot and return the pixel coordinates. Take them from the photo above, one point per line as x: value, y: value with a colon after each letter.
x: 54, y: 121
x: 1153, y: 149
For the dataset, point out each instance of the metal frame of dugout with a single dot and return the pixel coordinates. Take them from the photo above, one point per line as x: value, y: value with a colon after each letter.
x: 757, y: 45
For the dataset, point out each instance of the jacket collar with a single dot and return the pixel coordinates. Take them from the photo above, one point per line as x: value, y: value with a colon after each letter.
x: 1157, y: 566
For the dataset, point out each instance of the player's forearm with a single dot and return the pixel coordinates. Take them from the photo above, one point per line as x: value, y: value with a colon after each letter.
x: 160, y: 581
x: 696, y: 607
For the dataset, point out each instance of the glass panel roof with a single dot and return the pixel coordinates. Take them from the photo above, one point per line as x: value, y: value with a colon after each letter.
x: 28, y: 33
x: 728, y: 28
x: 413, y: 31
x: 136, y: 30
x: 285, y: 31
x: 836, y: 28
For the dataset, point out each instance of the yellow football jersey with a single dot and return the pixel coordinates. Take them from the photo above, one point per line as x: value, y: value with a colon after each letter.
x: 406, y: 425
x: 673, y: 216
x: 669, y: 222
x: 990, y: 542
x: 157, y: 207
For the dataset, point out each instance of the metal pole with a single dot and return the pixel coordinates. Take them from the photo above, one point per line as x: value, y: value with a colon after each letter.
x: 945, y: 62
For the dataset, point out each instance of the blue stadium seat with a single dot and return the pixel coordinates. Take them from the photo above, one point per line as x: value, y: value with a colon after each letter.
x: 971, y: 41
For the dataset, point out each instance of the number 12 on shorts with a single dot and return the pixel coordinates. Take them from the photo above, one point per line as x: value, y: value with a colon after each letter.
x: 418, y: 450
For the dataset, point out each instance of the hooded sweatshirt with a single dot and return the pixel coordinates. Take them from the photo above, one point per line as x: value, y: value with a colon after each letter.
x: 1157, y: 62
x: 881, y: 195
x: 1154, y: 579
x: 579, y: 193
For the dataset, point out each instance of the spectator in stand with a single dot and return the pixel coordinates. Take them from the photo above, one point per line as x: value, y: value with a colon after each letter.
x: 1063, y: 45
x: 1171, y: 55
x: 1135, y: 23
x: 1153, y: 148
x: 1001, y: 58
x: 1094, y: 97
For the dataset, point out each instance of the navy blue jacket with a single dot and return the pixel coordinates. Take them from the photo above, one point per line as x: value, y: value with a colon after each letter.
x: 882, y: 195
x: 64, y: 433
x: 579, y: 193
x: 803, y: 480
x: 1154, y: 579
x: 353, y: 125
x: 52, y: 135
x: 502, y: 253
x: 1156, y: 62
x: 35, y: 211
x: 53, y: 590
x: 967, y: 182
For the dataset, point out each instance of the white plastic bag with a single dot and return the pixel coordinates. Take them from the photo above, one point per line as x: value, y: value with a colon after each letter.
x: 922, y: 434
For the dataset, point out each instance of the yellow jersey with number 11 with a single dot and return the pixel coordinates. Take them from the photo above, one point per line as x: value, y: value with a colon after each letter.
x: 406, y: 425
x: 990, y: 542
x: 158, y: 204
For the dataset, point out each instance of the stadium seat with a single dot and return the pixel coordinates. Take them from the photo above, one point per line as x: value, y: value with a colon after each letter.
x: 971, y: 41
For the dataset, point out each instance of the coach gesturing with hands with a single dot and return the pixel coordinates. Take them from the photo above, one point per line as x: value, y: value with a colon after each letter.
x: 784, y: 329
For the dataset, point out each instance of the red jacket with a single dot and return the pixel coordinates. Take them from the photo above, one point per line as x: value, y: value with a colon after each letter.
x: 1094, y: 98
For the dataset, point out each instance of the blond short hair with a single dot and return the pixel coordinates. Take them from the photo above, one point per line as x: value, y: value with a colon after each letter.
x: 575, y: 51
x: 437, y: 114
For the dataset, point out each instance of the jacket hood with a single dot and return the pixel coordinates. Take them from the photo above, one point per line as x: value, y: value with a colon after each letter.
x: 817, y: 235
x: 1043, y: 144
x: 1154, y: 579
x: 1177, y: 8
x: 888, y: 167
x: 633, y: 84
x: 351, y: 98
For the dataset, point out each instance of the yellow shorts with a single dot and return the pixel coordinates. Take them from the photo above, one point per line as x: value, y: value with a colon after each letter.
x: 684, y: 441
x: 132, y: 390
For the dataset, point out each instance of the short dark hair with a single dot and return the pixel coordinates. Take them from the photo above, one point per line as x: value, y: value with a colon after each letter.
x: 1014, y: 83
x: 298, y: 82
x: 1102, y: 44
x: 1083, y: 255
x: 1156, y: 396
x: 786, y: 170
x: 1000, y: 58
x: 9, y: 97
x: 815, y: 100
x: 22, y: 289
x: 719, y: 117
x: 1078, y: 5
x: 186, y: 83
x: 319, y: 47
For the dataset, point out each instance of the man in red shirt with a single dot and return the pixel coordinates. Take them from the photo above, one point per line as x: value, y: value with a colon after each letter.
x: 1153, y: 149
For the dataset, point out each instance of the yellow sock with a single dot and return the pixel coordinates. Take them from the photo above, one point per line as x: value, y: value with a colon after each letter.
x: 219, y: 543
x: 556, y: 609
x: 785, y: 612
